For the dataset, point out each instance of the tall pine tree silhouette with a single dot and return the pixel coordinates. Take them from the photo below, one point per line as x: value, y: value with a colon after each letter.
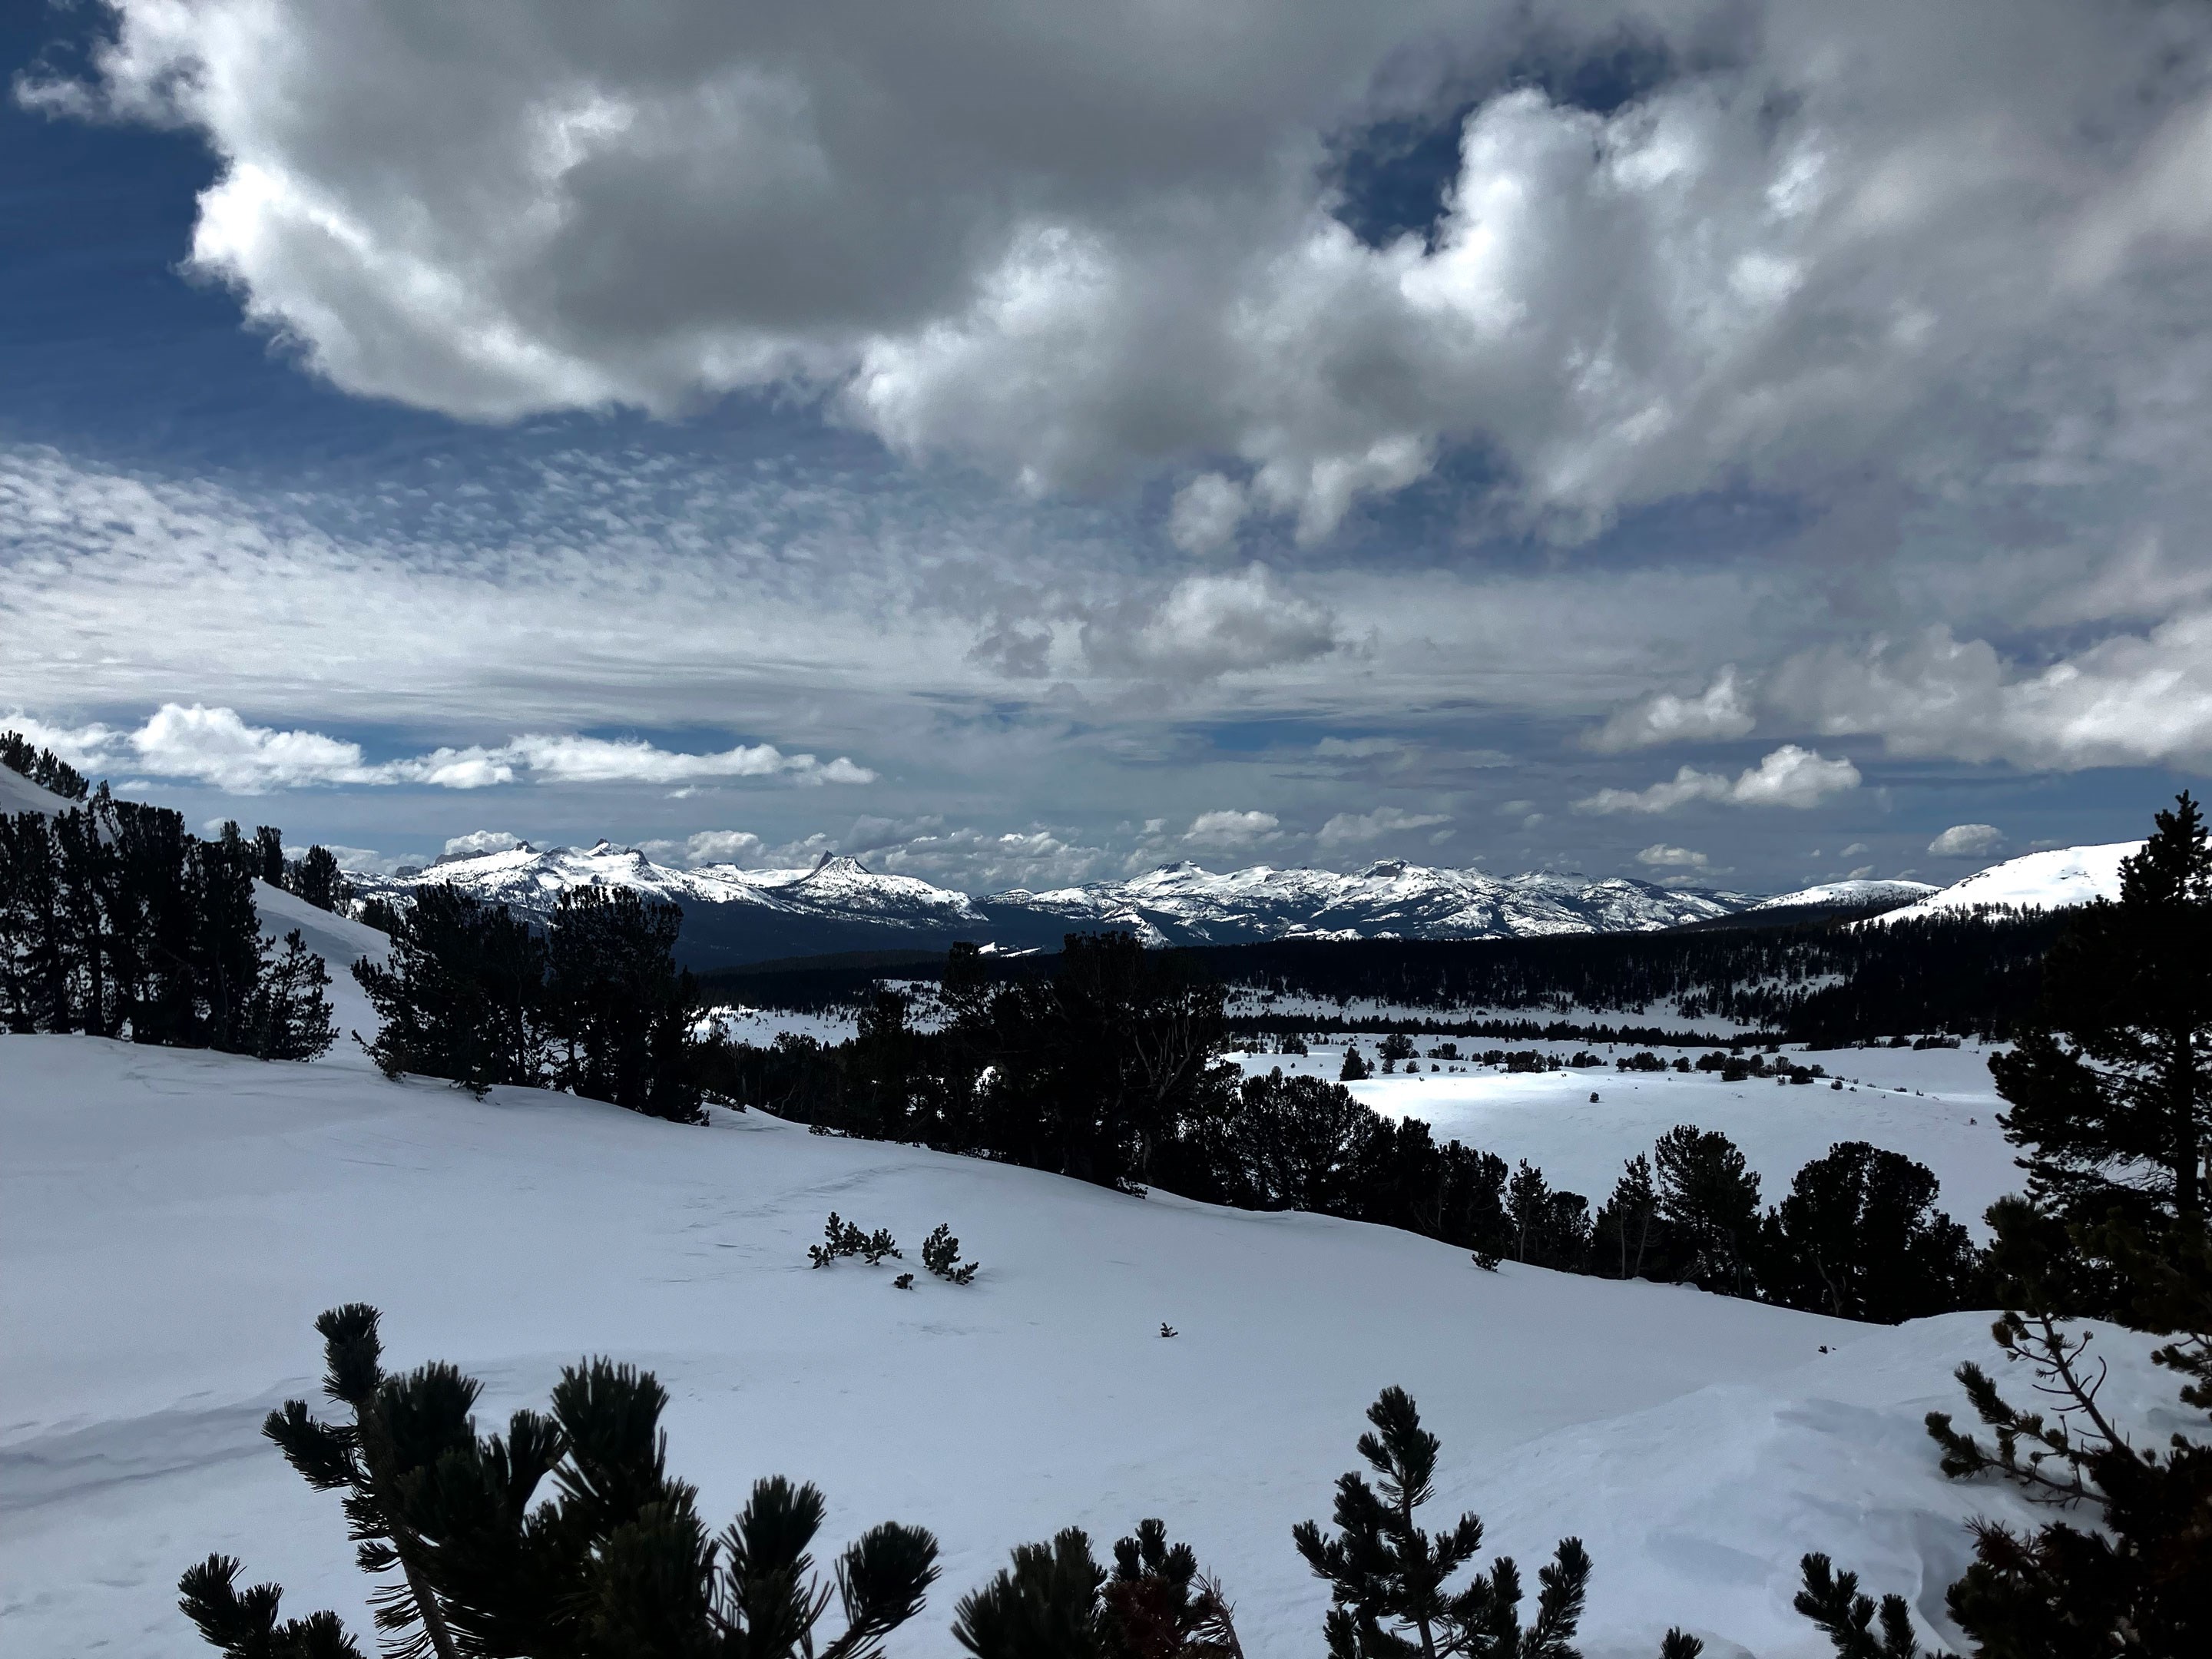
x: 2111, y: 1089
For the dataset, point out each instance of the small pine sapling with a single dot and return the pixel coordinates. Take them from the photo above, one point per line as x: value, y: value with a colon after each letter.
x: 840, y: 1237
x: 1834, y: 1602
x: 1160, y: 1605
x: 903, y: 1282
x: 940, y: 1253
x: 1167, y: 1329
x: 616, y: 1562
x: 1389, y: 1580
x: 242, y: 1625
x: 1055, y: 1602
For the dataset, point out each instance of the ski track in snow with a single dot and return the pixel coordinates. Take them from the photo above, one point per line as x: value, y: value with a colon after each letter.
x: 171, y: 1222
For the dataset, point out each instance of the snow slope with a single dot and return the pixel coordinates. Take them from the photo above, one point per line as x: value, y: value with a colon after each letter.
x: 2038, y: 881
x: 19, y: 795
x: 1848, y: 894
x: 170, y: 1221
x: 340, y: 942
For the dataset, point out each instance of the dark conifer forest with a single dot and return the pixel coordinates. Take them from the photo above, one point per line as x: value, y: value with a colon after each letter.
x: 114, y: 922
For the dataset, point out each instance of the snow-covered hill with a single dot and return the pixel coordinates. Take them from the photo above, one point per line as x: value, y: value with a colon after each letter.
x: 171, y: 1221
x: 1848, y: 895
x: 2038, y: 881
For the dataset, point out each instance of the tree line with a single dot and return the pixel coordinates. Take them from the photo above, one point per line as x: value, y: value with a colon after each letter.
x: 114, y: 922
x: 1109, y: 1068
x: 1824, y: 983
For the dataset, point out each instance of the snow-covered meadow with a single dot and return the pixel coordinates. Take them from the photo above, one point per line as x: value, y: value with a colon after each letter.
x: 1937, y: 1105
x: 171, y: 1221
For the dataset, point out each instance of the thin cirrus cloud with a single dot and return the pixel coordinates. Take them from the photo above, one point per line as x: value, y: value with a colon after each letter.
x: 1789, y: 776
x: 218, y: 747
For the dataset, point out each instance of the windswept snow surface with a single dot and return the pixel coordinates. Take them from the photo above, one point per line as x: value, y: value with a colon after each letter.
x: 2039, y: 881
x: 171, y: 1222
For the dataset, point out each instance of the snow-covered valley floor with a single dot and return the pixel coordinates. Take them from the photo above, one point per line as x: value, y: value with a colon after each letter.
x: 171, y: 1222
x: 1937, y: 1105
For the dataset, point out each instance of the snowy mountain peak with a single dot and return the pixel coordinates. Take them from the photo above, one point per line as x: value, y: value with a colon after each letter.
x: 1842, y: 894
x: 2037, y: 881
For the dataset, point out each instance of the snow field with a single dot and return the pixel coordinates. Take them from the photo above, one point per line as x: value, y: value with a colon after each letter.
x: 171, y: 1222
x: 1938, y: 1106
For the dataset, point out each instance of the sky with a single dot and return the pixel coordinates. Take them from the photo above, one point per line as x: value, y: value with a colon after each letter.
x: 1021, y: 442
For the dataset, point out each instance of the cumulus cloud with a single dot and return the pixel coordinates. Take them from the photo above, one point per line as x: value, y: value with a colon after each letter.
x: 1072, y: 241
x: 1206, y: 513
x: 2128, y: 700
x: 478, y: 842
x: 1718, y: 712
x: 712, y: 847
x: 1214, y: 625
x: 1231, y: 829
x: 219, y: 747
x: 1787, y: 776
x: 1660, y: 856
x: 1353, y: 829
x: 1967, y: 841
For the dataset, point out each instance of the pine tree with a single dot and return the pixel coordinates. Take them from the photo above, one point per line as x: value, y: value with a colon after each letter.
x: 2110, y: 1088
x: 1859, y: 1237
x: 617, y: 1564
x: 1299, y: 1144
x: 318, y: 879
x: 617, y: 1011
x: 1055, y: 1602
x: 269, y: 855
x: 1391, y: 1582
x: 461, y: 995
x: 289, y: 1016
x: 1626, y: 1229
x: 1710, y: 1200
x: 1355, y: 1068
x: 1045, y: 1606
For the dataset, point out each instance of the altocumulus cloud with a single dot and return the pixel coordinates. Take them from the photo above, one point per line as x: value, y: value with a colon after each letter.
x: 217, y: 746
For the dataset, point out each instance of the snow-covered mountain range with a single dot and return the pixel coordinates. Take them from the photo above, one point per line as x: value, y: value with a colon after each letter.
x: 736, y: 916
